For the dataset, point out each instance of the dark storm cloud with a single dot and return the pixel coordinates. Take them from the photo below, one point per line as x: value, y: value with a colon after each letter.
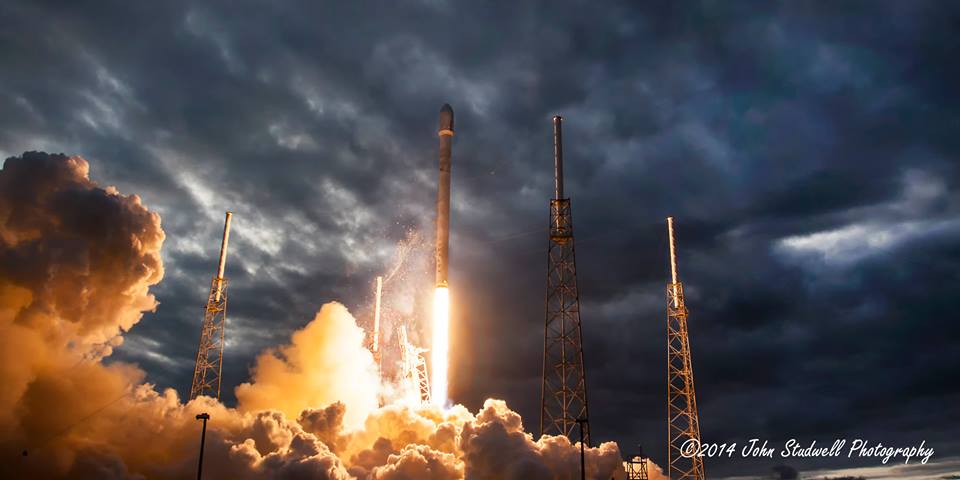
x: 807, y: 151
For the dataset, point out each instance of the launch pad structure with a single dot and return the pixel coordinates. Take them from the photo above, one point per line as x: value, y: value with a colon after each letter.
x: 413, y: 363
x: 683, y: 424
x: 636, y: 467
x: 414, y: 367
x: 209, y: 365
x: 563, y: 400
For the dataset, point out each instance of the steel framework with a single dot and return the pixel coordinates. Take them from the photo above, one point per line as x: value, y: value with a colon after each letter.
x: 209, y: 365
x: 563, y: 397
x: 683, y: 424
x: 414, y: 366
x: 637, y: 467
x: 423, y: 381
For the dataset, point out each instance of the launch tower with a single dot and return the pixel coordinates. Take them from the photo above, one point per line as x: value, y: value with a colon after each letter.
x: 563, y: 397
x: 683, y: 424
x: 206, y: 372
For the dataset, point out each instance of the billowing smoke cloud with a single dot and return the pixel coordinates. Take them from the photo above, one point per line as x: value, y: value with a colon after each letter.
x: 77, y: 259
x: 76, y: 263
x: 324, y: 363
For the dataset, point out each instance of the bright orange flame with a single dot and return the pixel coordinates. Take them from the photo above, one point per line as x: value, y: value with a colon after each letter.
x: 440, y: 353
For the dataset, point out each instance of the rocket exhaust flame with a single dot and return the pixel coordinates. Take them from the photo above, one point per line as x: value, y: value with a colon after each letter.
x: 440, y: 353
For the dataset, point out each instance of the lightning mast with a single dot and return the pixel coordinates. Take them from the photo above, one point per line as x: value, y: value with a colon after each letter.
x: 683, y: 424
x: 375, y: 348
x: 563, y: 399
x: 206, y: 372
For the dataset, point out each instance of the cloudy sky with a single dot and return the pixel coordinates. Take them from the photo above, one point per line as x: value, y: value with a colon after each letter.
x: 807, y: 150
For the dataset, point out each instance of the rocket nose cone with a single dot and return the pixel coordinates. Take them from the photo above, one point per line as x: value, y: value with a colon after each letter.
x: 446, y: 117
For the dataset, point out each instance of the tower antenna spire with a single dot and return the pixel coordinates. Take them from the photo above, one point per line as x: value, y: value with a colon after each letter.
x: 674, y: 276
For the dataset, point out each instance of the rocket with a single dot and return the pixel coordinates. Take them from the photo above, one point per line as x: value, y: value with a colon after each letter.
x: 443, y: 194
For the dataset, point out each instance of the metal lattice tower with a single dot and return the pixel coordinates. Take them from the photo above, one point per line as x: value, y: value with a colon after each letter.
x: 637, y: 467
x: 683, y: 424
x: 564, y: 390
x: 414, y: 366
x: 423, y: 381
x: 206, y: 372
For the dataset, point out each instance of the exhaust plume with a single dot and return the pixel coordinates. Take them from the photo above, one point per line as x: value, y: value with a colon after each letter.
x: 294, y: 377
